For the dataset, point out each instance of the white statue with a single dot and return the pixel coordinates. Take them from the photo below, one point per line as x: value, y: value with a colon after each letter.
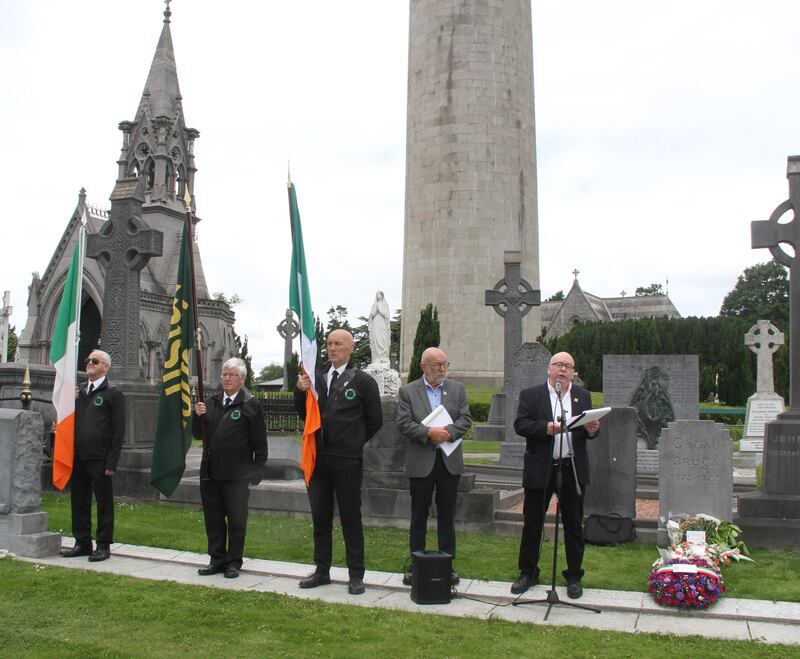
x: 380, y: 333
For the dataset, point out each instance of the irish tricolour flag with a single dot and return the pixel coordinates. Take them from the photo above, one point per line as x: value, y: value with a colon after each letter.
x: 64, y: 355
x: 300, y: 303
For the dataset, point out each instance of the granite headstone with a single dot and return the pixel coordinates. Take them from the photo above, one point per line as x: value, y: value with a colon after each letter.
x: 528, y: 368
x: 696, y: 471
x: 765, y: 405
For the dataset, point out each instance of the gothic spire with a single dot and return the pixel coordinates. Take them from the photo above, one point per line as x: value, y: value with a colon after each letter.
x: 161, y: 91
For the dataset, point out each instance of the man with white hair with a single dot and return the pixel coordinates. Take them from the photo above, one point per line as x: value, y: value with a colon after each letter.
x: 99, y: 432
x: 236, y: 437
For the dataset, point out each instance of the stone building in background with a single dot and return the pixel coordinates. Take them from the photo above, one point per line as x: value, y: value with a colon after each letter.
x: 157, y: 146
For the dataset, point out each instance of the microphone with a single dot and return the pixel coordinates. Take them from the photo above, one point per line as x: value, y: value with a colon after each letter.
x: 558, y: 388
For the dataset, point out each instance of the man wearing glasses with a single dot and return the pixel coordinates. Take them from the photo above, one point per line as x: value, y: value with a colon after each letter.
x: 99, y: 431
x: 548, y: 452
x: 428, y: 466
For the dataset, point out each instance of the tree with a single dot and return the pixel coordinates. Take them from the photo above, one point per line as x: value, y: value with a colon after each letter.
x: 293, y: 370
x: 243, y: 353
x: 322, y: 346
x: 761, y: 292
x: 362, y: 354
x: 427, y: 336
x: 337, y: 319
x: 395, y: 326
x: 271, y: 371
x: 11, y: 355
x: 231, y: 301
x: 652, y: 289
x: 556, y: 297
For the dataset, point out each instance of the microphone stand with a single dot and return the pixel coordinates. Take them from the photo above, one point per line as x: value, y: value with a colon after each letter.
x: 552, y: 598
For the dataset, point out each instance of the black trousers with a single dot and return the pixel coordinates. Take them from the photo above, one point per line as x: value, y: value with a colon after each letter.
x: 338, y: 478
x: 534, y: 511
x: 225, y: 513
x: 88, y: 477
x: 446, y: 486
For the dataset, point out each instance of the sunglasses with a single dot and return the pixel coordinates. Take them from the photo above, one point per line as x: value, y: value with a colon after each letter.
x: 94, y: 361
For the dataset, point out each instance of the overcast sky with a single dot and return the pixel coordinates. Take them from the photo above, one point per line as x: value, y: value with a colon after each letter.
x: 662, y: 131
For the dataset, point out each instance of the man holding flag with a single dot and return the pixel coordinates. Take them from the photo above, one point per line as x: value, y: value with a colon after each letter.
x: 99, y: 432
x: 341, y: 408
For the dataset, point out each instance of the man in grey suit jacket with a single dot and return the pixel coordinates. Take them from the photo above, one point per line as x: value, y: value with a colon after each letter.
x: 427, y: 464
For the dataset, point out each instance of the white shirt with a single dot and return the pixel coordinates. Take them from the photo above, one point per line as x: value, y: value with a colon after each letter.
x: 331, y: 370
x: 95, y: 383
x: 564, y: 451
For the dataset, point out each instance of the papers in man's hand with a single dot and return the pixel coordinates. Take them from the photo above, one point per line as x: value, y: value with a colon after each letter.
x: 584, y: 417
x: 440, y: 418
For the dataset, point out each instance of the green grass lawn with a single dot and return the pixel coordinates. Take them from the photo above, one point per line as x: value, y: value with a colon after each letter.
x: 58, y: 612
x: 480, y: 555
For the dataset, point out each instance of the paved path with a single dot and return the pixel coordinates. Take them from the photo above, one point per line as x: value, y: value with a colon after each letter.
x: 757, y: 620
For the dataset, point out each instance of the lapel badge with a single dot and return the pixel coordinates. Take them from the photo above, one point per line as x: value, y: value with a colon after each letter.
x: 235, y: 415
x: 349, y: 394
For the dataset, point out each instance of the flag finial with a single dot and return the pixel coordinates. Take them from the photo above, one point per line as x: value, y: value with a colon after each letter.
x: 187, y: 199
x: 288, y: 173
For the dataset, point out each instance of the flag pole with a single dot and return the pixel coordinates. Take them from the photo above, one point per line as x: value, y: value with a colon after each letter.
x: 79, y: 296
x: 187, y: 203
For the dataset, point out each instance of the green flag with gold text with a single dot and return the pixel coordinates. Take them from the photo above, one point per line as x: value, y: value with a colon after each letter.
x: 173, y: 426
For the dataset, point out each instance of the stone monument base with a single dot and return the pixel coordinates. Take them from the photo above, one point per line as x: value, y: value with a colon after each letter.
x: 512, y: 454
x: 770, y: 520
x: 387, y: 378
x: 26, y: 534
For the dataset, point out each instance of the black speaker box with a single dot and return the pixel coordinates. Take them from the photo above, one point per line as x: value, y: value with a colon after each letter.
x: 430, y: 577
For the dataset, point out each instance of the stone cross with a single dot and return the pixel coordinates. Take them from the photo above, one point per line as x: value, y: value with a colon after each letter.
x: 764, y: 339
x: 288, y: 329
x: 512, y: 298
x: 123, y: 247
x: 5, y: 314
x: 770, y: 234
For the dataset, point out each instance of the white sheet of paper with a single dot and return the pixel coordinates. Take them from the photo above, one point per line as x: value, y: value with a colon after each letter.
x: 584, y: 417
x: 440, y: 418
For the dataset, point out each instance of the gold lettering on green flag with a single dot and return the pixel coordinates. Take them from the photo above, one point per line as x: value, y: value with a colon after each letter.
x: 173, y: 427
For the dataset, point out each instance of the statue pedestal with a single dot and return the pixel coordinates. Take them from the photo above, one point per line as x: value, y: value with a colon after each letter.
x: 387, y: 378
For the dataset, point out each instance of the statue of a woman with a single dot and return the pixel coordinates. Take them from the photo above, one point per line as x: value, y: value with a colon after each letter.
x: 380, y: 334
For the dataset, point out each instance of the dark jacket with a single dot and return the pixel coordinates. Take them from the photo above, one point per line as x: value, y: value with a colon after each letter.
x: 236, y: 438
x: 100, y: 424
x: 533, y: 414
x: 351, y: 415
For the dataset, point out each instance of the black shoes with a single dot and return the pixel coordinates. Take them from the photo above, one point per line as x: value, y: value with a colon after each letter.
x: 315, y: 580
x: 522, y: 584
x: 231, y: 572
x: 355, y: 586
x: 100, y: 554
x: 210, y: 569
x: 574, y: 589
x: 77, y: 550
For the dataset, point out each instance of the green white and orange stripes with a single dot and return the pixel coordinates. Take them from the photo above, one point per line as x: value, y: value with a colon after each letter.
x: 300, y: 303
x: 64, y: 356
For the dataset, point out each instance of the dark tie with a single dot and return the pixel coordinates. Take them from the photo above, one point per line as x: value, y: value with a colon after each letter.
x: 227, y: 403
x: 91, y: 388
x: 333, y: 381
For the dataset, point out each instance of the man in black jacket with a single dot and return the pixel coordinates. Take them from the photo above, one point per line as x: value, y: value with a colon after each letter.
x: 236, y: 441
x: 350, y: 407
x: 540, y: 407
x: 99, y: 432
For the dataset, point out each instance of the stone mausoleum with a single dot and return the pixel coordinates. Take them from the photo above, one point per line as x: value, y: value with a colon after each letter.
x: 158, y: 151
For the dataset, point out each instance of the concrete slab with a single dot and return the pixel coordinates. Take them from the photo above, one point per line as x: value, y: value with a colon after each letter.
x: 768, y: 632
x: 688, y: 624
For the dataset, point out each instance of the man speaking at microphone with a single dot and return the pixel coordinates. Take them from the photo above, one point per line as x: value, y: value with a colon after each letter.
x: 548, y: 452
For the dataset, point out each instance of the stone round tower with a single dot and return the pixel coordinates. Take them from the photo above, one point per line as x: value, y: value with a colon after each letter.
x: 470, y: 174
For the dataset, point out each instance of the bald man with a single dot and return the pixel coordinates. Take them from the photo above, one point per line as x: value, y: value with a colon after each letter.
x: 550, y: 453
x: 350, y: 407
x: 429, y: 468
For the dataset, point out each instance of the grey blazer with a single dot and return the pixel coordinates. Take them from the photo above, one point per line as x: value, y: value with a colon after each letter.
x: 413, y: 407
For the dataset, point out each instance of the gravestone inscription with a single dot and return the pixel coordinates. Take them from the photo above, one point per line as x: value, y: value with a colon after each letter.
x: 695, y: 471
x: 765, y: 405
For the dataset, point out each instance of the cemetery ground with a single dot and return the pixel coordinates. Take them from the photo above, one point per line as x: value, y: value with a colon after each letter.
x: 50, y: 609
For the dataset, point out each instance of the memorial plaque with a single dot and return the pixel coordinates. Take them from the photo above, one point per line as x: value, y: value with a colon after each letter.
x: 646, y: 461
x: 663, y: 388
x: 613, y: 461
